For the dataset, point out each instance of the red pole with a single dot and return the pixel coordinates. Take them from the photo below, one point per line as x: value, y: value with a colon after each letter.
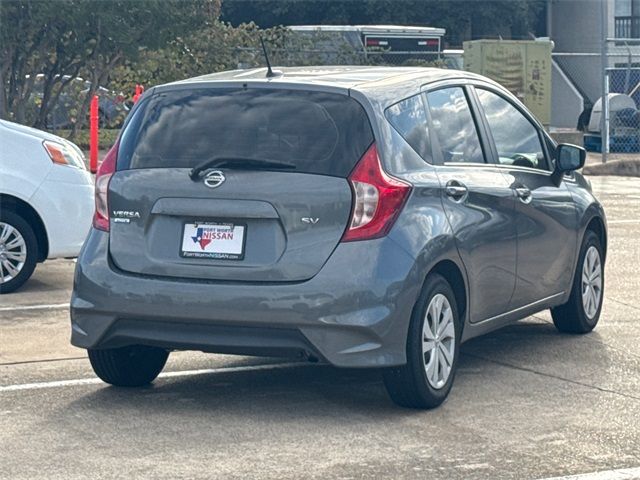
x: 93, y: 135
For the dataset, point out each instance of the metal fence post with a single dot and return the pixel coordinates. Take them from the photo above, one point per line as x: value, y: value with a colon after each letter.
x: 604, y: 126
x: 605, y: 118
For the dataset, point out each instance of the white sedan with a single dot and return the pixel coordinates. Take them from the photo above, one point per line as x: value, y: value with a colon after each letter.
x: 46, y: 201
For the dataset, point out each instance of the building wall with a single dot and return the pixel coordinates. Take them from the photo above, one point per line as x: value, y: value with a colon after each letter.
x: 576, y: 27
x: 566, y: 102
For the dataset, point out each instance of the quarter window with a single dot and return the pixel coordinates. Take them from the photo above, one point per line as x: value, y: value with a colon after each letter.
x: 409, y: 118
x: 517, y: 139
x: 453, y: 126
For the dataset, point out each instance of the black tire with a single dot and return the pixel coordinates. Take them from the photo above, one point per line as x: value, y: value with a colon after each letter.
x: 24, y: 229
x: 571, y: 316
x: 132, y: 366
x: 408, y: 385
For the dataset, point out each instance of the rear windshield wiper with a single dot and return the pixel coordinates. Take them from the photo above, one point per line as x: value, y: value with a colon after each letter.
x: 238, y: 162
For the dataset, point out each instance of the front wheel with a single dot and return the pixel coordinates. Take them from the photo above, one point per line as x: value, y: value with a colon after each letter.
x: 433, y: 345
x: 18, y: 251
x: 582, y: 311
x: 132, y: 366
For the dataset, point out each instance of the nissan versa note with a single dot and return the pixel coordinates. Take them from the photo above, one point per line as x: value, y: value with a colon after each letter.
x: 359, y: 216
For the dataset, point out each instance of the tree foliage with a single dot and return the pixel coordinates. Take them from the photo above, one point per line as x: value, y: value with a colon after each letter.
x: 218, y: 46
x: 61, y: 40
x: 463, y: 19
x: 46, y: 45
x: 213, y: 47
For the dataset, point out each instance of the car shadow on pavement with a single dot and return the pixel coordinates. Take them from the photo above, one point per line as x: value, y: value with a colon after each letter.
x: 35, y: 286
x: 299, y: 391
x: 319, y: 390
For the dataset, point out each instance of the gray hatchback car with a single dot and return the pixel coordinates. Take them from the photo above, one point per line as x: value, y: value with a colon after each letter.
x: 359, y: 216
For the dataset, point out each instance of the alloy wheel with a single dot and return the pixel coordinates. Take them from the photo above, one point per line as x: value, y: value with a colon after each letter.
x: 13, y: 252
x: 591, y: 282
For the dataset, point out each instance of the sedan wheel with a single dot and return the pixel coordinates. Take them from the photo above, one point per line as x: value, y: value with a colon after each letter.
x: 581, y: 312
x: 13, y: 252
x: 591, y: 282
x: 18, y: 251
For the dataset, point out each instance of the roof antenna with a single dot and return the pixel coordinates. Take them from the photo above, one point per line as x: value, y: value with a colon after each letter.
x: 270, y: 72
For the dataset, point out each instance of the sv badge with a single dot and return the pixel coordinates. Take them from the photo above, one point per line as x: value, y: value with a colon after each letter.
x: 310, y: 220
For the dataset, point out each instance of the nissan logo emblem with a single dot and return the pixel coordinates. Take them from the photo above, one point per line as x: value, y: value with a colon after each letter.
x: 214, y: 179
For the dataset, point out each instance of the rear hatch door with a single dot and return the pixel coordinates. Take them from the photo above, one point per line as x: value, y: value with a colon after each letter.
x: 273, y: 211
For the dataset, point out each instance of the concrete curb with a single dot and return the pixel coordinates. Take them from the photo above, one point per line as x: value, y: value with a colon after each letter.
x: 626, y: 167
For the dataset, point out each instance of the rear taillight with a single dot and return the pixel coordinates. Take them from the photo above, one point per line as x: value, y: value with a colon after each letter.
x: 377, y: 199
x: 103, y: 176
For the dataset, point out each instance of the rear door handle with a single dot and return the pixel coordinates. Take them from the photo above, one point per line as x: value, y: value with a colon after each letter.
x: 523, y: 193
x: 455, y: 190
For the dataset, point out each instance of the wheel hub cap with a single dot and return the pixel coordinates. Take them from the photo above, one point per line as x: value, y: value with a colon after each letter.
x: 438, y: 341
x: 13, y: 252
x: 591, y: 282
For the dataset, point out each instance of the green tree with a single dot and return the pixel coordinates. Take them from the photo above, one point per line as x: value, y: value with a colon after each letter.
x: 65, y: 39
x: 463, y: 19
x: 218, y: 46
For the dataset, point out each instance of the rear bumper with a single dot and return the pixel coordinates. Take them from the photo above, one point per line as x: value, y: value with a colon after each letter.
x: 351, y: 317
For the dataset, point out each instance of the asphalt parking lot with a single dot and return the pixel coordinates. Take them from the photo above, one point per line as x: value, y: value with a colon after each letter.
x: 528, y: 402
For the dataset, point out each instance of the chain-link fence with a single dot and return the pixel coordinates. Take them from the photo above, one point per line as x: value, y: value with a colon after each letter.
x: 598, y: 94
x: 618, y: 115
x: 623, y: 95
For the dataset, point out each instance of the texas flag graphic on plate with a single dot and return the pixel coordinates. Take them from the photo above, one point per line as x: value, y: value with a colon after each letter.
x: 203, y: 238
x: 213, y: 240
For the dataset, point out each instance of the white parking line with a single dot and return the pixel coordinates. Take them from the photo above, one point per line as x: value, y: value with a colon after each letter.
x: 622, y: 474
x: 183, y: 373
x: 47, y: 306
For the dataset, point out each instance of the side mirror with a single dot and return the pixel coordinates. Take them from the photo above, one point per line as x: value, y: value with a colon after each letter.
x: 568, y: 158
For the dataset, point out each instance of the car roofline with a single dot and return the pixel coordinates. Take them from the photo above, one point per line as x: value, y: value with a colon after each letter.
x: 338, y: 79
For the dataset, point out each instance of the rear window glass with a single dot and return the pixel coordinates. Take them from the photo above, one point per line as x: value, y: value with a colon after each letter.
x: 318, y: 132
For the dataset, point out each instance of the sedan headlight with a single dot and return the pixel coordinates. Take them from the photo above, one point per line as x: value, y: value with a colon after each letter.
x: 64, y: 154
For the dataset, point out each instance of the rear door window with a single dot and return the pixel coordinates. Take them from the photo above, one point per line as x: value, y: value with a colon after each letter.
x: 454, y: 126
x: 323, y: 133
x: 409, y: 118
